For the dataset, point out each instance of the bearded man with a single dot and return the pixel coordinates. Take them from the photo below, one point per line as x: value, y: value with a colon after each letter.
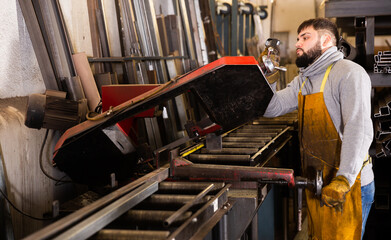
x: 333, y: 98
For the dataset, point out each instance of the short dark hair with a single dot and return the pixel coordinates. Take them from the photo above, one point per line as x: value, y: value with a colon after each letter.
x: 320, y: 24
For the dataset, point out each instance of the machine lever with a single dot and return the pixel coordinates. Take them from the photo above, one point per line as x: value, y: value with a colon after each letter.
x: 301, y: 183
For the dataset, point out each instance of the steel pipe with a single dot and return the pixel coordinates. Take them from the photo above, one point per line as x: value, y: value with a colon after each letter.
x: 243, y: 144
x: 246, y: 139
x: 219, y: 158
x: 256, y: 125
x: 188, y: 186
x: 187, y: 206
x: 258, y: 130
x: 97, y: 221
x: 109, y: 234
x: 252, y: 134
x: 65, y: 223
x: 154, y: 216
x: 169, y: 199
x: 268, y: 144
x: 230, y: 151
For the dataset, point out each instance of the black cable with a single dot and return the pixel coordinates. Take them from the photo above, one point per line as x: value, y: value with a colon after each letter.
x: 20, y: 211
x: 41, y: 162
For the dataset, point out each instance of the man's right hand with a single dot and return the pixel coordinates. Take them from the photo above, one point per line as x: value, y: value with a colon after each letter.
x: 334, y: 194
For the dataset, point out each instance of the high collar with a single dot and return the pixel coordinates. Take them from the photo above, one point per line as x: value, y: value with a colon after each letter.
x: 320, y: 65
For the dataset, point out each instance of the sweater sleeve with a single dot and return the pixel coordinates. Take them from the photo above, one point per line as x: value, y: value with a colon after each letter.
x: 284, y: 101
x: 357, y: 129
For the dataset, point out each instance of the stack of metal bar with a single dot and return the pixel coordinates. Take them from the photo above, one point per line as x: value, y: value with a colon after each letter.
x: 244, y: 145
x: 157, y: 206
x: 382, y: 121
x: 382, y: 62
x: 154, y: 208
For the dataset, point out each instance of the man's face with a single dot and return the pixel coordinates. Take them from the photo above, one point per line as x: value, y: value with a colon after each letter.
x: 308, y: 47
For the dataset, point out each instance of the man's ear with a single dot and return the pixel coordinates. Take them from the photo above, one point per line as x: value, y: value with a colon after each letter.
x: 326, y: 41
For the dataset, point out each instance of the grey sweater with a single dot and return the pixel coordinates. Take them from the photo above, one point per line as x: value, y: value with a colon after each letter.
x: 347, y: 96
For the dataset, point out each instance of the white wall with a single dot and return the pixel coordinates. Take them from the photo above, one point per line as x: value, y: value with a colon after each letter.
x: 19, y: 71
x: 288, y: 15
x: 20, y: 76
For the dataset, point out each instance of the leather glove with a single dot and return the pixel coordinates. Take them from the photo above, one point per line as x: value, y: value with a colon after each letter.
x: 271, y: 77
x: 333, y: 195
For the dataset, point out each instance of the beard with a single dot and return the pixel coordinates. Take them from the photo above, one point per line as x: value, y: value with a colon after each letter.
x: 307, y: 58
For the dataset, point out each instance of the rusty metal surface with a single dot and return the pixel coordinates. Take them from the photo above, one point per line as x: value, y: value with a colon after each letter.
x: 181, y: 167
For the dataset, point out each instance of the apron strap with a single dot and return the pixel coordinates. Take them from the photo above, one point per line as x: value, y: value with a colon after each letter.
x: 325, y: 77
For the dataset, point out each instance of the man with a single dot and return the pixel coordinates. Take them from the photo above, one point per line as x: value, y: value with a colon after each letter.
x: 333, y: 98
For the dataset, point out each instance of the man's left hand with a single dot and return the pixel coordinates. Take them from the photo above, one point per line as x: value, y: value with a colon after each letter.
x: 333, y: 195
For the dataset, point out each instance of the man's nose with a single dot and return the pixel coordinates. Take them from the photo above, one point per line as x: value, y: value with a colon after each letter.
x: 298, y: 44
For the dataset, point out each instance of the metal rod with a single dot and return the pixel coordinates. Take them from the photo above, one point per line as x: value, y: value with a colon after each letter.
x: 109, y: 234
x: 299, y: 207
x: 68, y: 221
x: 276, y: 150
x: 192, y: 149
x: 185, y: 207
x: 257, y: 126
x: 287, y: 121
x: 205, y: 212
x: 230, y: 151
x: 97, y: 221
x: 269, y: 143
x: 154, y: 216
x: 169, y: 199
x: 42, y: 54
x: 100, y: 20
x: 213, y: 220
x: 188, y: 186
x: 219, y: 158
x: 252, y: 134
x: 187, y: 29
x: 246, y: 139
x: 243, y: 144
x: 259, y: 130
x: 132, y: 58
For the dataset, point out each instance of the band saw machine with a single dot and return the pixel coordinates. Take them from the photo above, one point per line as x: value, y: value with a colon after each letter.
x: 233, y: 92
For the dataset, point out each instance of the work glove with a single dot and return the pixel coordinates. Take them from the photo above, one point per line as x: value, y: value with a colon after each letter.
x: 271, y: 77
x: 333, y: 195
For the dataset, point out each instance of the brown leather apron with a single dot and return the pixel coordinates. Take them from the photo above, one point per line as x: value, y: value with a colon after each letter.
x: 320, y: 147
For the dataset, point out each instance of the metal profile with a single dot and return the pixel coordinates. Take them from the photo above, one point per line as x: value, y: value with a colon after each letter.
x: 97, y: 221
x: 149, y: 39
x: 46, y: 28
x: 382, y: 62
x: 55, y: 38
x: 59, y: 226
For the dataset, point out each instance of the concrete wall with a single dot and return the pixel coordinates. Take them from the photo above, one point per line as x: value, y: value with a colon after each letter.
x: 19, y: 71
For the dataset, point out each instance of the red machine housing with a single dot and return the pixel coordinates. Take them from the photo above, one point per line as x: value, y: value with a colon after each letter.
x: 232, y: 91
